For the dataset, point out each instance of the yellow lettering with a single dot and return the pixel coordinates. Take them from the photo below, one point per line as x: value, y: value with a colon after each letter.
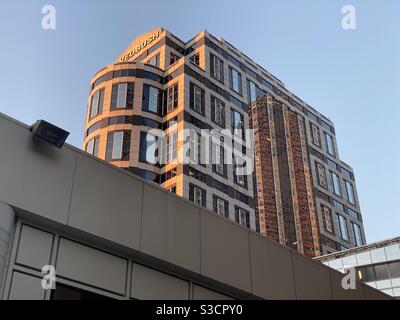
x: 140, y: 46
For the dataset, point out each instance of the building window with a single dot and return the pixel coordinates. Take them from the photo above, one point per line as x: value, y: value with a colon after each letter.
x: 92, y: 146
x: 155, y: 61
x: 237, y: 123
x: 122, y: 96
x: 242, y: 217
x: 194, y: 150
x: 316, y: 138
x: 217, y: 68
x: 331, y: 163
x: 235, y: 81
x: 344, y: 234
x: 151, y: 99
x: 172, y: 97
x: 326, y: 125
x: 252, y: 92
x: 148, y: 148
x: 197, y: 195
x: 329, y: 144
x: 338, y: 205
x: 395, y: 271
x: 382, y: 272
x: 173, y: 58
x: 195, y: 59
x: 118, y: 145
x: 171, y: 146
x: 218, y: 111
x: 354, y: 215
x: 238, y: 176
x: 346, y: 173
x: 336, y: 184
x: 321, y: 175
x: 327, y: 218
x: 357, y: 234
x: 350, y: 192
x: 221, y: 206
x: 219, y: 158
x: 96, y: 105
x: 366, y: 274
x: 197, y: 98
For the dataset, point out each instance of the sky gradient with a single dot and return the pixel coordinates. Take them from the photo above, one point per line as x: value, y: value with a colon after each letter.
x: 351, y: 76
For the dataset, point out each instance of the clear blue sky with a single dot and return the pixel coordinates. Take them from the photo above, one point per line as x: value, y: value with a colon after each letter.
x: 353, y: 77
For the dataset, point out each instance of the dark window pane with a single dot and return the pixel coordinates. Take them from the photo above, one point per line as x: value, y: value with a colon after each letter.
x: 395, y: 269
x: 368, y: 274
x: 382, y: 272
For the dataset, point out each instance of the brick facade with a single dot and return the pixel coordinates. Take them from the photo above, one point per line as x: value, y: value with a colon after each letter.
x: 300, y: 221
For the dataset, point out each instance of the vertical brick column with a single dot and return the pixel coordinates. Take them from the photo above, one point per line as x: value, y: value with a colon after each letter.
x: 301, y: 188
x: 284, y: 176
x: 264, y: 175
x: 283, y: 179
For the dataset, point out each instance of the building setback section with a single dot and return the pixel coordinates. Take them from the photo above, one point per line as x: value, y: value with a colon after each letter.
x: 111, y: 233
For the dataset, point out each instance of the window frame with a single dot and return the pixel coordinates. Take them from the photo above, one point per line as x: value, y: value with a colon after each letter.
x: 192, y: 194
x: 95, y: 148
x: 343, y: 228
x: 218, y: 107
x: 351, y: 199
x: 358, y: 240
x: 217, y: 201
x: 144, y: 147
x: 337, y: 190
x: 173, y: 58
x: 171, y: 146
x: 330, y: 144
x: 238, y: 217
x: 219, y: 73
x: 197, y: 95
x: 157, y: 60
x: 232, y: 83
x: 99, y: 96
x: 148, y: 99
x: 125, y: 142
x: 195, y: 59
x: 128, y: 97
x: 172, y: 96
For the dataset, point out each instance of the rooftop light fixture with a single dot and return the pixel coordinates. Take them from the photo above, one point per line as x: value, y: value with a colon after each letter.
x: 43, y: 131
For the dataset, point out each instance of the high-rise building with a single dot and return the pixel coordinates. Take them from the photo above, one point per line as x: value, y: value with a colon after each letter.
x: 301, y: 194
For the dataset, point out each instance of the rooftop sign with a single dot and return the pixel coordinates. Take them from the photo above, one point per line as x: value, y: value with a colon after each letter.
x: 139, y: 47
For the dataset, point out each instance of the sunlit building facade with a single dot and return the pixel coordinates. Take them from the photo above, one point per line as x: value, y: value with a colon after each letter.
x: 161, y: 82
